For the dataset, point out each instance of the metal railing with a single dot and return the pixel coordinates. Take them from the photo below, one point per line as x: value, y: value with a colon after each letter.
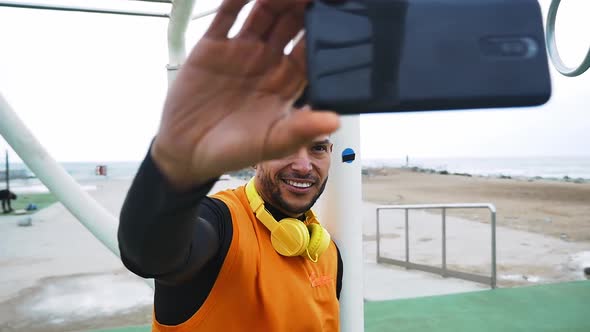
x: 443, y: 270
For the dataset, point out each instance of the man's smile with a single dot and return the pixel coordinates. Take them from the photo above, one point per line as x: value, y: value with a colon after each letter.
x: 300, y: 186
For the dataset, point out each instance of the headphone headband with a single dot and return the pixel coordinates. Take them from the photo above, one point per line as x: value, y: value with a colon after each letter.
x: 257, y: 206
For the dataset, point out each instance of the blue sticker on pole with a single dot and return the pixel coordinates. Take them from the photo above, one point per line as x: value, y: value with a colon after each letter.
x: 348, y: 155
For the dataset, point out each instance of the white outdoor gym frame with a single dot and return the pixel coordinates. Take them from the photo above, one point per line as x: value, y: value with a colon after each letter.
x: 342, y: 200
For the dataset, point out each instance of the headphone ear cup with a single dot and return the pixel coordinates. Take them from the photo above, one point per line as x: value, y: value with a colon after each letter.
x: 319, y: 240
x: 290, y: 237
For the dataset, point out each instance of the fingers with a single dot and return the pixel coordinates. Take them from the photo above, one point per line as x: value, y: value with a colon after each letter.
x: 285, y: 80
x: 286, y: 28
x: 274, y: 20
x: 259, y: 22
x: 225, y: 18
x: 289, y: 78
x: 309, y: 124
x: 298, y: 54
x: 300, y: 128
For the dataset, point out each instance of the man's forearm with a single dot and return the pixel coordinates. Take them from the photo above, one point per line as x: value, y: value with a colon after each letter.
x: 157, y: 223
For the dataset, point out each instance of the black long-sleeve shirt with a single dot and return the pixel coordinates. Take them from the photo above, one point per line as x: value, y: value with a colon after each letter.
x: 179, y: 239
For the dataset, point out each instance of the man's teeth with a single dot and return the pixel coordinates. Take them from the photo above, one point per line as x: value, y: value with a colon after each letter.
x: 299, y: 184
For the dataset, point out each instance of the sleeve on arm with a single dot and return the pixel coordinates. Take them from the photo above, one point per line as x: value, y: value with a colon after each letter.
x: 158, y: 225
x: 339, y: 273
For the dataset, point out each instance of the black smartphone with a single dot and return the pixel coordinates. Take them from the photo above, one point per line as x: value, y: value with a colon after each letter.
x: 367, y: 56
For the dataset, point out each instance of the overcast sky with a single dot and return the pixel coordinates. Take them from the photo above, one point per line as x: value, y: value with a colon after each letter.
x: 91, y: 88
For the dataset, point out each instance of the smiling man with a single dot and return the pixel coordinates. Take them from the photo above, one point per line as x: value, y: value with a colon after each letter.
x: 293, y: 184
x: 256, y: 251
x: 254, y: 257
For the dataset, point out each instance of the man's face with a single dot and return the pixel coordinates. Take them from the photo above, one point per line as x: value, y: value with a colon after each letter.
x: 294, y: 183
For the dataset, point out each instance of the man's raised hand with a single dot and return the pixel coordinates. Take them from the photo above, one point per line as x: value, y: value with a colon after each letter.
x: 231, y: 104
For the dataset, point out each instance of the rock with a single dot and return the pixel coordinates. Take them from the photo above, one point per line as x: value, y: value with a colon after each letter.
x: 25, y: 222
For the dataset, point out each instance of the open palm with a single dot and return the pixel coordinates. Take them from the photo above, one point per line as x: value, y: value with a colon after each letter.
x: 231, y: 105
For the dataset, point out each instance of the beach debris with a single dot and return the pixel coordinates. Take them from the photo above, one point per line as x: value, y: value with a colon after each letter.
x: 520, y: 277
x: 548, y: 220
x: 25, y: 222
x: 564, y: 237
x: 462, y: 174
x: 19, y: 212
x: 531, y: 278
x: 579, y: 261
x: 101, y: 170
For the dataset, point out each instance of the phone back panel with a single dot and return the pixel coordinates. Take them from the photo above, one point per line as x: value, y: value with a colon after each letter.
x: 387, y: 56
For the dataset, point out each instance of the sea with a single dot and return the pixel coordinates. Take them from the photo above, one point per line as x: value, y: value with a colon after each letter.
x: 85, y: 173
x: 552, y: 168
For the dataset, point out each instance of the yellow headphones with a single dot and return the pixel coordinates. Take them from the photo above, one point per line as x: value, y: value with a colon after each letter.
x: 290, y: 237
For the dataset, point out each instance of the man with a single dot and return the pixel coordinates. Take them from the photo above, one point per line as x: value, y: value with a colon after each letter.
x: 6, y: 196
x: 235, y: 261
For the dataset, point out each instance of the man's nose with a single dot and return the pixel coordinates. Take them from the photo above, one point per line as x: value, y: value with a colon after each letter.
x: 301, y: 162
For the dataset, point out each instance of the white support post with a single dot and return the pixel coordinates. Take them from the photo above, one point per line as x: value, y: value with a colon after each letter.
x: 92, y: 215
x: 180, y: 16
x: 340, y: 209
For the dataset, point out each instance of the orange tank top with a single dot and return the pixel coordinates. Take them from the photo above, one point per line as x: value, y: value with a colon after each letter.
x: 259, y: 290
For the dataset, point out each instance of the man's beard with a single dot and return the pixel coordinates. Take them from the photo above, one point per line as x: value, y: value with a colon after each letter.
x: 279, y: 202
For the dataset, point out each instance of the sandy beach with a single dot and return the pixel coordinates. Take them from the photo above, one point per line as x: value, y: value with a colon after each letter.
x: 554, y: 208
x: 57, y: 277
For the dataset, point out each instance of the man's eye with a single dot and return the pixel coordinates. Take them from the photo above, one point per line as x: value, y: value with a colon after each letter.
x: 319, y: 148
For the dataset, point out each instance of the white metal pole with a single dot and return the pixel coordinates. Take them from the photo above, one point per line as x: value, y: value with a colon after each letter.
x: 83, y: 9
x: 341, y: 212
x: 93, y: 216
x: 180, y: 16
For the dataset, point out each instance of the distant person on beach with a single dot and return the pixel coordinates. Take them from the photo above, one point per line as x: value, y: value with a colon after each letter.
x: 255, y: 257
x: 6, y: 196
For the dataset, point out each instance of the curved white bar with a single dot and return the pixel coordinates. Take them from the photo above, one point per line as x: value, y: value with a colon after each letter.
x: 83, y: 9
x: 92, y: 215
x: 552, y: 46
x: 180, y: 16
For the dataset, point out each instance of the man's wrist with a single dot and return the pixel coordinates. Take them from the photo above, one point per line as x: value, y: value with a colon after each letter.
x: 177, y: 173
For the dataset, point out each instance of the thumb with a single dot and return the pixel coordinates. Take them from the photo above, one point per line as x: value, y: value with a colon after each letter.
x: 298, y: 129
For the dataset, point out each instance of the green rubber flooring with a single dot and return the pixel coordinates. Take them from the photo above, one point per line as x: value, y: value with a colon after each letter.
x: 563, y: 307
